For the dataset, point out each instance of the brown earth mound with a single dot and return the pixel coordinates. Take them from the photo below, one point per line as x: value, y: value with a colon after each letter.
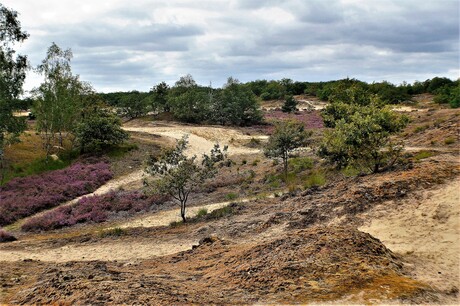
x: 316, y: 264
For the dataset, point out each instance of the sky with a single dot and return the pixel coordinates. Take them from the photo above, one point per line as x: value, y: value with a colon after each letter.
x: 121, y: 45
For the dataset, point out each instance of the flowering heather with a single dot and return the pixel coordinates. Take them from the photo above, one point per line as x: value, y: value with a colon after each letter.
x: 23, y: 197
x: 96, y: 209
x: 311, y: 120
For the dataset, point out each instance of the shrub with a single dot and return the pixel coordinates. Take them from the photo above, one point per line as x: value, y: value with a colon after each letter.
x: 5, y: 236
x: 23, y: 197
x: 95, y: 209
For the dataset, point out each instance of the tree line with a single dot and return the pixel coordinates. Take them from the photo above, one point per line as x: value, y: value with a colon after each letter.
x: 237, y: 103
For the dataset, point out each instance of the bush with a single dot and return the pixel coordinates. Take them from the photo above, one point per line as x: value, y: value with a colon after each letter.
x: 5, y: 236
x: 23, y: 197
x: 95, y: 209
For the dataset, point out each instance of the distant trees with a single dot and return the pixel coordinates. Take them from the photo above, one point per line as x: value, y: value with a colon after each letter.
x: 180, y: 175
x: 189, y: 102
x: 235, y: 105
x: 13, y: 72
x: 133, y: 105
x: 288, y: 135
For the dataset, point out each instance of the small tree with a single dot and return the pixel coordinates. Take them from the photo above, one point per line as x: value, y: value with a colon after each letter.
x: 180, y: 175
x: 99, y: 129
x: 363, y: 138
x: 159, y: 98
x: 290, y: 104
x: 288, y: 135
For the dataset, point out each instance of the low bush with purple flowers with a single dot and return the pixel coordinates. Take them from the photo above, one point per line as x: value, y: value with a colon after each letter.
x: 23, y: 197
x: 95, y: 209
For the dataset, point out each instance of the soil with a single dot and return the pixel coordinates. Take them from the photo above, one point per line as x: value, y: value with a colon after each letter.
x: 389, y: 238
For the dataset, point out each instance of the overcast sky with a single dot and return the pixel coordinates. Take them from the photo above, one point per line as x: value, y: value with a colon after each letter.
x: 133, y: 45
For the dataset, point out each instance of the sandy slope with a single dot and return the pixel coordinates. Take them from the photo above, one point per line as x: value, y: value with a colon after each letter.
x: 426, y: 230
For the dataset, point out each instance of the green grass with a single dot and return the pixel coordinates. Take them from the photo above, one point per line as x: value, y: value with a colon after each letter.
x: 201, y: 213
x: 350, y: 171
x: 299, y: 164
x: 204, y: 215
x: 423, y: 154
x: 316, y: 178
x: 121, y: 150
x: 231, y: 196
x: 39, y: 166
x: 449, y: 140
x: 113, y: 232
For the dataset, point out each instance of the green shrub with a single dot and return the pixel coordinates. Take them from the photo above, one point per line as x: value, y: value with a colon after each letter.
x: 255, y: 162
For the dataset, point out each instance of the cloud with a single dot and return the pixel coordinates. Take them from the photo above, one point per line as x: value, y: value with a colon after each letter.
x: 121, y: 45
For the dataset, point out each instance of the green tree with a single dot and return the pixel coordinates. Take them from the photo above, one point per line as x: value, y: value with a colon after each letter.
x: 363, y: 138
x: 290, y: 104
x: 133, y: 105
x: 13, y: 72
x: 99, y: 129
x: 180, y: 175
x: 288, y: 135
x: 193, y: 105
x: 160, y: 97
x: 235, y: 105
x: 59, y: 98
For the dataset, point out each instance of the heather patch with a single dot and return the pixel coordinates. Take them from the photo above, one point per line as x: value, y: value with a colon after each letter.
x: 23, y: 197
x: 95, y: 209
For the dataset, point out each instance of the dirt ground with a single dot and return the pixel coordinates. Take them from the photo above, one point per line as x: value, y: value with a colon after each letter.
x: 388, y: 238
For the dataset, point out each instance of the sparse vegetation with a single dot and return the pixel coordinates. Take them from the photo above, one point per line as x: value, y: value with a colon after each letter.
x: 288, y: 135
x: 180, y: 175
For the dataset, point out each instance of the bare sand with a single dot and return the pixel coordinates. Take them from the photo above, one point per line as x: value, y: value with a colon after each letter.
x: 425, y: 229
